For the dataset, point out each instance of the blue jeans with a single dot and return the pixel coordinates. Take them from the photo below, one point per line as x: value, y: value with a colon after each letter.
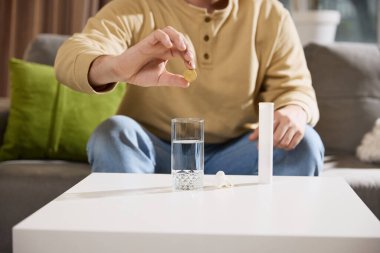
x: 120, y: 144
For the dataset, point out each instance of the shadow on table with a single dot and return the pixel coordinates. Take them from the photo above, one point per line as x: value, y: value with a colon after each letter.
x: 139, y: 191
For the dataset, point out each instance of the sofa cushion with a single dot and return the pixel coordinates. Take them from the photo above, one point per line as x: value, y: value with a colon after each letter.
x: 364, y: 178
x: 26, y: 186
x: 346, y: 78
x: 365, y: 182
x: 49, y: 120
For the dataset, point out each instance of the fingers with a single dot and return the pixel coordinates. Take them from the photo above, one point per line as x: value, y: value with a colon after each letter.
x: 286, y: 139
x: 189, y: 55
x: 289, y: 140
x: 189, y: 59
x: 181, y: 45
x: 289, y: 128
x: 255, y: 135
x: 297, y: 138
x: 288, y: 133
x: 185, y: 55
x: 160, y: 36
x: 176, y: 37
x: 279, y: 132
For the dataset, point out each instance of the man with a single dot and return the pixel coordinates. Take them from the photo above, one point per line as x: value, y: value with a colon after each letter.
x: 244, y: 51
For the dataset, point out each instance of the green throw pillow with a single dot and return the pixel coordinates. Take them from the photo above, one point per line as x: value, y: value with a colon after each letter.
x: 48, y: 120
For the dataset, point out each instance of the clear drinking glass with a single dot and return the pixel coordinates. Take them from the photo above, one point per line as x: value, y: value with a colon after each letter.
x: 187, y: 154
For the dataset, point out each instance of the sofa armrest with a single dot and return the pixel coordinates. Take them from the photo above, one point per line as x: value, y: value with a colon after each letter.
x: 4, y: 111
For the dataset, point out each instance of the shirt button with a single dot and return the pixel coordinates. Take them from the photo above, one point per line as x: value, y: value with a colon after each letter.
x: 206, y: 56
x: 206, y: 38
x: 207, y: 19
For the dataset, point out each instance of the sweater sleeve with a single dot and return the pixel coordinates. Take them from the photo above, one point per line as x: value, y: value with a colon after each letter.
x: 287, y: 79
x: 111, y: 31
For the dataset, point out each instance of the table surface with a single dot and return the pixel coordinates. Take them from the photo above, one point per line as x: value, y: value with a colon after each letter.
x: 141, y: 213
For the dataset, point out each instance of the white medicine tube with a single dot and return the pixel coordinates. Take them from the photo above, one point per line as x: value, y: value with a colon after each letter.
x: 266, y: 111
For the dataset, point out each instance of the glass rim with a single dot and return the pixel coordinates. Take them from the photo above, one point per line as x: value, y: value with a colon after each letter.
x: 188, y: 120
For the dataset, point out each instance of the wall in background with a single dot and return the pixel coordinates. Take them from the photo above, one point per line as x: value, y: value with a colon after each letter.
x: 22, y: 20
x: 378, y: 22
x: 360, y: 18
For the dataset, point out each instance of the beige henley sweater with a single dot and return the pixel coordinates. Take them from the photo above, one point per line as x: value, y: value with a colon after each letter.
x: 252, y: 54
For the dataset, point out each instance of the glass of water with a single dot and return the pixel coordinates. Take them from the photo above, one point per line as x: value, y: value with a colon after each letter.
x: 187, y: 154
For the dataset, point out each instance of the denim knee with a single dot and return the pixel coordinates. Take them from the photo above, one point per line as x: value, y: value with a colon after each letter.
x: 116, y: 124
x: 120, y: 144
x: 109, y: 132
x: 312, y: 151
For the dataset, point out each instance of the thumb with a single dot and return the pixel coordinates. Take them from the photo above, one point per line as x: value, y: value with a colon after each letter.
x: 255, y: 135
x: 170, y: 79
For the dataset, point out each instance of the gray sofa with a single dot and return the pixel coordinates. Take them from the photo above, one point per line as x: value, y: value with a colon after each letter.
x: 347, y: 82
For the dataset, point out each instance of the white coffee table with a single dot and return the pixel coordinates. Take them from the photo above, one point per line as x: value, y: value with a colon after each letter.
x: 140, y: 213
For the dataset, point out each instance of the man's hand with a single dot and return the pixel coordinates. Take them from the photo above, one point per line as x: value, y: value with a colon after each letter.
x: 289, y: 127
x: 144, y: 64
